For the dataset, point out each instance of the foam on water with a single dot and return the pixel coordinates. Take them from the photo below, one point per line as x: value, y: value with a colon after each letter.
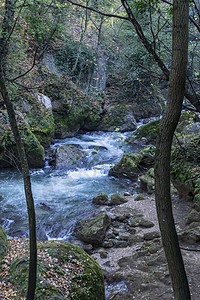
x: 62, y: 196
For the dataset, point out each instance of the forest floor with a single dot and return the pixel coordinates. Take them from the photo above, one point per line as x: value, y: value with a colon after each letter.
x: 140, y: 271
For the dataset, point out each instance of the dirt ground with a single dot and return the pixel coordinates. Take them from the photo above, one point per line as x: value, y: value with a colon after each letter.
x: 140, y: 271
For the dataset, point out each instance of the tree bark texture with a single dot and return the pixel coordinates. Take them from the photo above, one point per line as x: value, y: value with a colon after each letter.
x: 167, y: 127
x: 8, y: 24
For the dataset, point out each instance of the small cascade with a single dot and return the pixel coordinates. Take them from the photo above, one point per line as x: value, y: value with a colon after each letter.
x: 63, y: 196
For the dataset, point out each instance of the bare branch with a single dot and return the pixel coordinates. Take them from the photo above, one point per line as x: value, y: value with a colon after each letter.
x: 97, y: 11
x: 17, y: 18
x: 157, y: 75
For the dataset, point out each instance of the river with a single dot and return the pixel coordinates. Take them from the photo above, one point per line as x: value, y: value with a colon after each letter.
x: 63, y: 196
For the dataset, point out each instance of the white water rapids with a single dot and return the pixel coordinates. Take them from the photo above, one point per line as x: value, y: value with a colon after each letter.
x: 63, y: 196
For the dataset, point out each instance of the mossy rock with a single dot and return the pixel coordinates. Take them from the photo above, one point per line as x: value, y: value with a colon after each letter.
x: 69, y: 157
x: 187, y: 123
x: 185, y: 167
x: 3, y: 243
x: 37, y: 111
x: 117, y: 199
x: 8, y: 148
x: 93, y: 230
x: 68, y: 273
x: 101, y: 199
x: 131, y: 165
x: 117, y: 115
x: 140, y: 197
x: 147, y: 181
x: 71, y: 106
x: 145, y: 134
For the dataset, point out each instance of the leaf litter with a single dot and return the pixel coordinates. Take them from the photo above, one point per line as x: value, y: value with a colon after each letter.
x: 58, y: 274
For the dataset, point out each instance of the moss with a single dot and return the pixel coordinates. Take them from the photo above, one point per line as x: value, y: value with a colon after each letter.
x: 87, y: 285
x: 3, y: 243
x: 148, y: 132
x: 42, y: 126
x: 131, y: 164
x: 185, y: 164
x: 33, y: 148
x: 140, y: 197
x: 84, y: 277
x: 147, y: 181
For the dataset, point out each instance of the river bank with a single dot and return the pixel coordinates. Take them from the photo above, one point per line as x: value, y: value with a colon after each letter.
x: 140, y: 271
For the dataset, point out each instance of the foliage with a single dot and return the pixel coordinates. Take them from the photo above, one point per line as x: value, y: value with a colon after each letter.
x: 66, y: 56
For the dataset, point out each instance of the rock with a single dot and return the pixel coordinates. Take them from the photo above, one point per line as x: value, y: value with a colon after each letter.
x: 196, y: 206
x: 145, y: 134
x: 101, y: 199
x: 194, y: 216
x: 113, y: 115
x: 190, y: 235
x: 147, y: 181
x: 185, y: 160
x: 130, y: 165
x: 140, y: 197
x: 146, y: 223
x: 69, y: 157
x: 3, y: 243
x: 101, y: 148
x: 184, y: 190
x: 134, y: 221
x: 127, y: 194
x: 103, y: 254
x: 121, y: 244
x: 39, y: 117
x: 46, y: 101
x: 79, y: 275
x: 8, y: 148
x: 93, y: 230
x: 151, y: 235
x: 108, y: 243
x: 117, y: 199
x: 71, y: 107
x: 124, y: 236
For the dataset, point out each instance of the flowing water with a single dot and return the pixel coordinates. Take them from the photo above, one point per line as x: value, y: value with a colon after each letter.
x: 63, y: 196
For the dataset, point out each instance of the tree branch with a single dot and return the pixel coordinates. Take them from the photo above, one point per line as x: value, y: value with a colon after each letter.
x: 97, y: 11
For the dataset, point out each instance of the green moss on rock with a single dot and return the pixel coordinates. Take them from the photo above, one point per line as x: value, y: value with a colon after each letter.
x: 131, y: 165
x: 68, y: 273
x: 185, y: 167
x: 71, y: 106
x: 33, y: 148
x: 146, y: 133
x: 3, y: 243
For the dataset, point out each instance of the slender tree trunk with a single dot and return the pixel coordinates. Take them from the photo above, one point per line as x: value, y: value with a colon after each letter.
x: 27, y: 187
x: 163, y: 149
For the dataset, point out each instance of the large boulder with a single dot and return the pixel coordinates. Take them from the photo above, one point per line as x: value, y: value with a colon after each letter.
x: 131, y: 165
x: 8, y: 148
x: 93, y: 230
x: 70, y: 105
x: 112, y: 116
x: 37, y: 110
x: 64, y: 271
x: 145, y: 134
x: 3, y: 243
x: 69, y: 157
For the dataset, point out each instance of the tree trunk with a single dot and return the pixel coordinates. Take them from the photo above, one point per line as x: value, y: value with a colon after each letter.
x: 163, y: 150
x: 27, y: 187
